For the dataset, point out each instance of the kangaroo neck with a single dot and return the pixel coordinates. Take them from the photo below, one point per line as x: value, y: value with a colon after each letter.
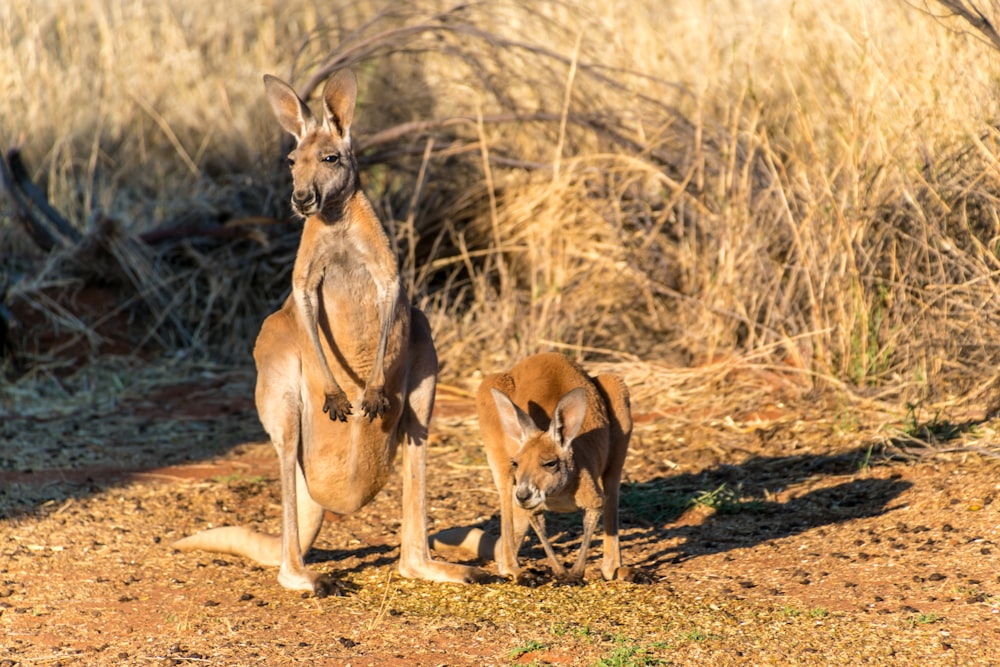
x: 341, y: 211
x: 334, y: 212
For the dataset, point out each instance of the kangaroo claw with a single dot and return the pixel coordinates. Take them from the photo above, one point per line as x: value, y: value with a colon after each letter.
x: 375, y: 403
x: 337, y: 406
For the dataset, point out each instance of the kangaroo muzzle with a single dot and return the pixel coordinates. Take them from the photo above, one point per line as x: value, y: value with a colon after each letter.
x: 528, y: 497
x: 306, y: 201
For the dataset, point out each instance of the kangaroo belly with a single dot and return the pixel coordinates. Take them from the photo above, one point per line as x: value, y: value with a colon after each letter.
x: 350, y: 338
x: 351, y: 327
x: 347, y: 463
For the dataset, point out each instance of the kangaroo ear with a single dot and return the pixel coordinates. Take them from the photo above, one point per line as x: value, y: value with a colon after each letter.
x: 339, y: 96
x: 516, y: 423
x: 567, y: 420
x: 291, y: 112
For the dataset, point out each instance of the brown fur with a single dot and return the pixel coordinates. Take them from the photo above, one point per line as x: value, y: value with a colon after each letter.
x: 346, y: 335
x: 556, y: 439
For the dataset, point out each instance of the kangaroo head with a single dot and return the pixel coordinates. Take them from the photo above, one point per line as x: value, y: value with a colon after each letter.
x: 542, y: 464
x: 324, y: 170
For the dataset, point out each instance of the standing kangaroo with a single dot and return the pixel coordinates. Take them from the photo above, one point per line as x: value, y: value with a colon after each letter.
x: 347, y: 334
x: 556, y: 439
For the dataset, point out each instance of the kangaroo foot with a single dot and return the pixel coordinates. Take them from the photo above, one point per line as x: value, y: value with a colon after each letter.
x: 433, y: 570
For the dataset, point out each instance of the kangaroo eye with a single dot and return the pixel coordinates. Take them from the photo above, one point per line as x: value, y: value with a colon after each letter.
x: 332, y: 159
x: 551, y: 465
x: 291, y: 162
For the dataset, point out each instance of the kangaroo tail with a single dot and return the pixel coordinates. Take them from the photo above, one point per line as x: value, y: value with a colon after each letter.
x: 235, y: 540
x: 472, y: 542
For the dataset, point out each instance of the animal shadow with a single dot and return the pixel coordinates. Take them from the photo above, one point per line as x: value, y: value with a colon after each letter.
x: 745, y: 514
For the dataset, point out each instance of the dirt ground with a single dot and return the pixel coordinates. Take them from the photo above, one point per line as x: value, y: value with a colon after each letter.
x: 789, y: 533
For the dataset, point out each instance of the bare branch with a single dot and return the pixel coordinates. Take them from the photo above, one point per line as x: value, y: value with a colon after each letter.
x: 43, y: 223
x: 972, y: 14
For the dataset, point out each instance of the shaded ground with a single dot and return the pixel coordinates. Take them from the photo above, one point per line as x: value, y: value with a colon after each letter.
x: 783, y: 535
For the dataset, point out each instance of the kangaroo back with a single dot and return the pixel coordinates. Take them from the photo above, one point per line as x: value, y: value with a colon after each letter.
x: 556, y: 440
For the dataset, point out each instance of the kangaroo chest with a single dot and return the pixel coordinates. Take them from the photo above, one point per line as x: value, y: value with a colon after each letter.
x: 582, y: 491
x: 348, y: 295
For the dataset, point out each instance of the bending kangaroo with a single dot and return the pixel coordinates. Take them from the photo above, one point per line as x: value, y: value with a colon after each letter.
x: 556, y: 439
x: 346, y: 335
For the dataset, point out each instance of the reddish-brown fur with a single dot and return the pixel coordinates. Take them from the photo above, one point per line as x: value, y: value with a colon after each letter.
x: 346, y: 336
x: 556, y: 440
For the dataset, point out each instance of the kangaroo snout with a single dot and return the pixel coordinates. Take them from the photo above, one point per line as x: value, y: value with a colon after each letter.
x: 527, y: 497
x: 305, y: 201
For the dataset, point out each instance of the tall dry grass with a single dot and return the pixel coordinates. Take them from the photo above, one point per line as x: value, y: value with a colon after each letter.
x: 805, y: 185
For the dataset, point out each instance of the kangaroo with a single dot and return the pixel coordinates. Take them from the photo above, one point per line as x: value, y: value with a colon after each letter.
x: 556, y: 439
x: 347, y: 333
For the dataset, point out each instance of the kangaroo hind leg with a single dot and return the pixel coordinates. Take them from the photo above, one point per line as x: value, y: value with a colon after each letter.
x: 616, y: 397
x: 415, y: 560
x: 279, y: 406
x: 301, y: 520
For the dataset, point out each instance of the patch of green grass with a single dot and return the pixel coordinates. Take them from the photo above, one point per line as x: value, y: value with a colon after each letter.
x: 931, y: 430
x: 528, y: 647
x: 923, y: 619
x: 695, y: 635
x: 846, y: 421
x: 628, y: 653
x: 866, y: 461
x: 652, y: 502
x: 870, y: 349
x: 724, y: 501
x: 655, y: 503
x: 795, y: 612
x: 564, y: 629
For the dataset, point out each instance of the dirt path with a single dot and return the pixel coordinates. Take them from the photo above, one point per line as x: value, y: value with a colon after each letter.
x: 785, y: 540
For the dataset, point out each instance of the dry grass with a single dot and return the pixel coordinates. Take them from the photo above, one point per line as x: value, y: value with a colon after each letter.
x: 802, y: 186
x: 778, y: 220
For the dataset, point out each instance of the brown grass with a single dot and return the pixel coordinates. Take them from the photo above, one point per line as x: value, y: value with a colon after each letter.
x: 778, y: 220
x: 795, y: 186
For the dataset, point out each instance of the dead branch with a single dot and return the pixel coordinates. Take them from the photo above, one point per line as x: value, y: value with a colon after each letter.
x: 362, y: 49
x: 397, y: 132
x: 234, y: 229
x: 49, y: 229
x: 32, y: 209
x: 38, y: 198
x: 972, y: 14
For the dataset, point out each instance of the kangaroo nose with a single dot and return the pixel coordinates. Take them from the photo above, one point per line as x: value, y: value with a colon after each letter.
x: 522, y: 494
x: 303, y: 199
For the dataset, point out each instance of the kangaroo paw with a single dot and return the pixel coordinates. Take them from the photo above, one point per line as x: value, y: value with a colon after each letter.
x: 337, y: 406
x: 569, y: 580
x: 326, y: 585
x: 530, y: 577
x: 375, y: 402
